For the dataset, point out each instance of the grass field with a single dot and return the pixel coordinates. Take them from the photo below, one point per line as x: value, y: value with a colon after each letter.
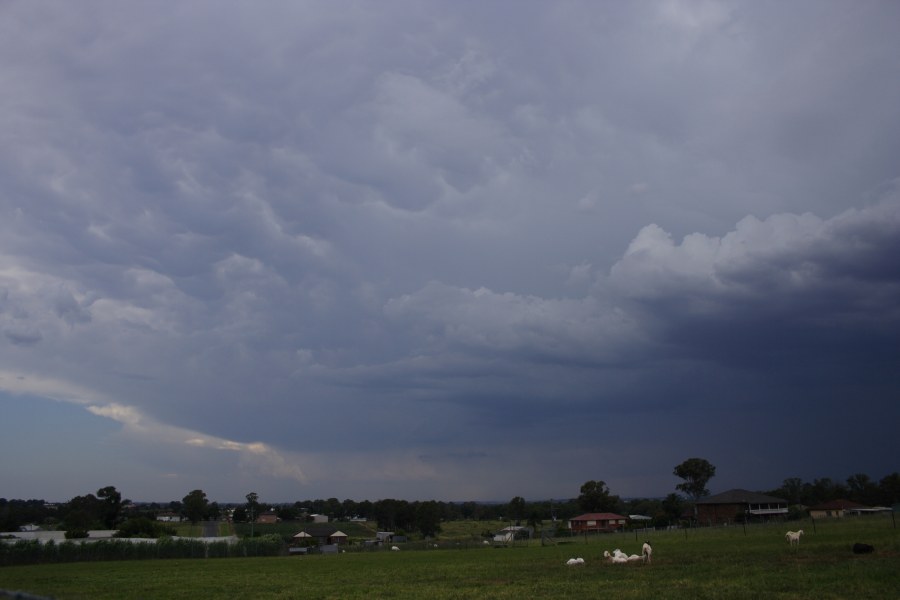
x: 702, y: 563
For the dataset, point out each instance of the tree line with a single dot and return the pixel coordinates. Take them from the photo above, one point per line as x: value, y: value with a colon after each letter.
x: 106, y: 509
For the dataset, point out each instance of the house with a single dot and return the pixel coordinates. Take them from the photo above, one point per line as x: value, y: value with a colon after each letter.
x: 597, y: 522
x: 640, y: 519
x: 319, y: 518
x: 268, y: 517
x: 323, y: 534
x: 512, y: 533
x: 834, y: 508
x: 736, y: 504
x: 168, y: 517
x: 384, y: 537
x: 338, y: 538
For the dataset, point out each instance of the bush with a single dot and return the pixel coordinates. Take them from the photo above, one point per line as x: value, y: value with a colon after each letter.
x: 266, y: 545
x: 76, y: 534
x: 25, y: 552
x: 142, y: 527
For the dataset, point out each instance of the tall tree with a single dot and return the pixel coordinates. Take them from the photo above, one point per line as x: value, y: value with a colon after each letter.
x: 112, y: 505
x: 862, y: 489
x: 596, y: 497
x: 889, y: 489
x: 82, y: 513
x: 428, y: 518
x: 195, y: 506
x: 792, y: 489
x: 517, y: 508
x: 823, y: 489
x: 696, y: 473
x: 252, y: 509
x: 672, y: 507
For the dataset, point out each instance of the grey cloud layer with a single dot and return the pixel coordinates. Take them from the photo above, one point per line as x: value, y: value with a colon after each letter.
x: 453, y: 221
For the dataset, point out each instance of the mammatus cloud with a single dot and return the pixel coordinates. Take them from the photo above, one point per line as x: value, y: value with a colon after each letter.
x: 395, y: 249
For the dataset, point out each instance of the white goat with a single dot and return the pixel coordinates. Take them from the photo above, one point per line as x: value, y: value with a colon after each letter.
x: 617, y: 556
x: 793, y: 537
x: 395, y: 548
x: 646, y: 552
x: 575, y: 561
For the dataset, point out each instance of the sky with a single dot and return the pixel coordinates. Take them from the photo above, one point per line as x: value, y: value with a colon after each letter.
x: 446, y: 250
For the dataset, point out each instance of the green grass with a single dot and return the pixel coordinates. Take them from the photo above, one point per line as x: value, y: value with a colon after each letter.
x: 704, y: 563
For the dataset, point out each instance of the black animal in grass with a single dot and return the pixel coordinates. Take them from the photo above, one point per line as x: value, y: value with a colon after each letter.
x: 860, y: 548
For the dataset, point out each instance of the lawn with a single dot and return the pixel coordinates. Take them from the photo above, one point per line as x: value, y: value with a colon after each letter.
x: 701, y: 563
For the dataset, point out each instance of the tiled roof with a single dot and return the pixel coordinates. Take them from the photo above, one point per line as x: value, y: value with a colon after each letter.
x: 598, y: 517
x: 837, y: 505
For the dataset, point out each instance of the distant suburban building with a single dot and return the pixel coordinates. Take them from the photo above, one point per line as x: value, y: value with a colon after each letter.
x: 597, y: 522
x: 733, y: 504
x: 323, y: 534
x: 168, y: 517
x: 834, y: 508
x: 319, y: 518
x: 384, y: 537
x: 641, y: 519
x: 513, y: 533
x: 268, y: 517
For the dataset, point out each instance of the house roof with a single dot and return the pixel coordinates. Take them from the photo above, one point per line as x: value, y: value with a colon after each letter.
x: 837, y: 505
x: 739, y: 496
x: 319, y: 530
x: 597, y: 517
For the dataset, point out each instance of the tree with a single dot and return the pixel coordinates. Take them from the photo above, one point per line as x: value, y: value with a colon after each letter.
x: 792, y: 489
x: 862, y: 489
x: 195, y: 506
x: 595, y: 497
x: 672, y: 507
x: 252, y: 509
x: 428, y: 518
x: 112, y: 505
x: 239, y: 515
x: 82, y: 513
x: 696, y: 473
x: 821, y: 490
x: 889, y: 489
x: 517, y: 508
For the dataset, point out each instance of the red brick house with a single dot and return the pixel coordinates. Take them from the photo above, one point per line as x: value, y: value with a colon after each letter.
x: 267, y: 517
x: 729, y: 506
x: 597, y: 522
x: 834, y: 508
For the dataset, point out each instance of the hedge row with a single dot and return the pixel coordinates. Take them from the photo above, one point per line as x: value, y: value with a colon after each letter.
x: 24, y: 552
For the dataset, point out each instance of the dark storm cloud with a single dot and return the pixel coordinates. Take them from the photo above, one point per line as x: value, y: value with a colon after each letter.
x: 424, y: 242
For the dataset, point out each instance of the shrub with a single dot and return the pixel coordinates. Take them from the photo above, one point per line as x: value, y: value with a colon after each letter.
x: 76, y: 534
x: 142, y: 527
